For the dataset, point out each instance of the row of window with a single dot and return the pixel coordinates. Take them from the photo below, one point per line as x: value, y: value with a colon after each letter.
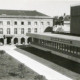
x: 22, y: 23
x: 16, y: 30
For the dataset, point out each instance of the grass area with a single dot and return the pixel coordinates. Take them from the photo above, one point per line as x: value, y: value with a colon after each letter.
x: 11, y: 69
x: 66, y: 63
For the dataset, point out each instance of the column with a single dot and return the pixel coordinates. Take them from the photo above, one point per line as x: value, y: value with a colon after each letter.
x: 19, y: 41
x: 26, y: 41
x: 5, y: 41
x: 12, y: 41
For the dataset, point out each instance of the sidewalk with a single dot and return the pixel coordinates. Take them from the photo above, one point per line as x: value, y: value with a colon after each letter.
x: 41, y: 69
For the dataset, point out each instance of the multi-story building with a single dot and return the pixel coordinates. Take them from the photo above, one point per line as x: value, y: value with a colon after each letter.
x: 75, y: 20
x: 14, y: 24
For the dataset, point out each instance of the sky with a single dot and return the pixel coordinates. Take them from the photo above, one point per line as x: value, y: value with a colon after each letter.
x: 48, y: 7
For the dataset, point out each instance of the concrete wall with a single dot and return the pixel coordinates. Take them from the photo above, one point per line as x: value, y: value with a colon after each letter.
x: 75, y: 20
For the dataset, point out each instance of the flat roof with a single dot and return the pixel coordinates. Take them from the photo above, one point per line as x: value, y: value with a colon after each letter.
x: 67, y: 37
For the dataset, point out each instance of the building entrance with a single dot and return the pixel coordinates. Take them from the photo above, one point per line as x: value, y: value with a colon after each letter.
x: 29, y: 40
x: 2, y: 40
x: 8, y: 40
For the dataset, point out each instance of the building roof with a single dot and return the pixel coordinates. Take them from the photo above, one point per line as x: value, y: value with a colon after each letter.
x: 21, y: 13
x: 43, y: 35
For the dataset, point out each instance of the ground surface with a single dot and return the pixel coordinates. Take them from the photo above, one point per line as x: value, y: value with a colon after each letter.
x: 11, y: 69
x: 41, y: 69
x: 66, y: 63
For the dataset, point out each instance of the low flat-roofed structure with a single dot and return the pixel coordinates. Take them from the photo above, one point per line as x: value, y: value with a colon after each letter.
x: 66, y: 39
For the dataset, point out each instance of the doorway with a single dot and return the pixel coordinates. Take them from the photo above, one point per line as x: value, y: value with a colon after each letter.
x: 8, y: 40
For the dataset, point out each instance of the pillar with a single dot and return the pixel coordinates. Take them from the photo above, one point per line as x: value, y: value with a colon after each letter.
x: 19, y: 41
x: 26, y: 41
x: 5, y: 41
x: 12, y: 41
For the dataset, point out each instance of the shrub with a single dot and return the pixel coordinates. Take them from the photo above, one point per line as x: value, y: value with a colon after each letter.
x: 39, y: 77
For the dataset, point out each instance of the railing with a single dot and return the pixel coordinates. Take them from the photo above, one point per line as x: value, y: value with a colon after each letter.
x: 61, y: 50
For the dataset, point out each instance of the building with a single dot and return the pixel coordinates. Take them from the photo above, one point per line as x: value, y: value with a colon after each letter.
x: 75, y: 20
x: 66, y: 46
x: 14, y: 24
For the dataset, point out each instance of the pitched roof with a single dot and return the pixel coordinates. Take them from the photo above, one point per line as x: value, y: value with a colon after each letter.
x: 22, y: 13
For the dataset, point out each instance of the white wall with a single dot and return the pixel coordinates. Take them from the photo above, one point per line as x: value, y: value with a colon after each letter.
x: 40, y: 27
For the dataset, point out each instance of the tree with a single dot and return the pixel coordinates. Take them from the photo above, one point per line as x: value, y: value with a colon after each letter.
x: 61, y: 20
x: 58, y: 20
x: 55, y: 20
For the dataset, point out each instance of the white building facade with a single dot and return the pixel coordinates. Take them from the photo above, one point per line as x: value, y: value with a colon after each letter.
x: 15, y: 24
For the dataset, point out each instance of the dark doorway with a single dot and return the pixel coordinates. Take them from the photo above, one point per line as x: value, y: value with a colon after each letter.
x: 22, y: 40
x: 15, y: 40
x: 29, y: 40
x: 8, y: 40
x: 2, y: 40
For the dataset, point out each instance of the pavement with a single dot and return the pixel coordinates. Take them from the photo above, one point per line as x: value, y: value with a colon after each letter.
x: 36, y: 66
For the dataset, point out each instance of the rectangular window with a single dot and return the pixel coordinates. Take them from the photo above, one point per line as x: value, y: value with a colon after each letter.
x: 8, y: 22
x: 22, y: 30
x: 8, y: 30
x: 35, y: 30
x: 15, y: 23
x: 29, y: 23
x: 22, y: 23
x: 35, y: 23
x: 15, y: 30
x: 1, y: 30
x: 29, y: 30
x: 1, y: 22
x: 42, y: 23
x: 48, y: 23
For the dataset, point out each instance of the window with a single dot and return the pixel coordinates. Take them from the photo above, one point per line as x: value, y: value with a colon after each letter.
x: 35, y: 30
x: 1, y: 22
x: 22, y: 23
x: 22, y: 30
x: 29, y: 23
x: 35, y: 23
x: 15, y: 23
x: 15, y: 30
x: 8, y: 22
x: 29, y: 30
x: 48, y: 23
x: 1, y: 30
x: 42, y: 23
x: 8, y: 30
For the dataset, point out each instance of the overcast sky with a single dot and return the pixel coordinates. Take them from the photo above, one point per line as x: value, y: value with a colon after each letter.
x: 49, y: 7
